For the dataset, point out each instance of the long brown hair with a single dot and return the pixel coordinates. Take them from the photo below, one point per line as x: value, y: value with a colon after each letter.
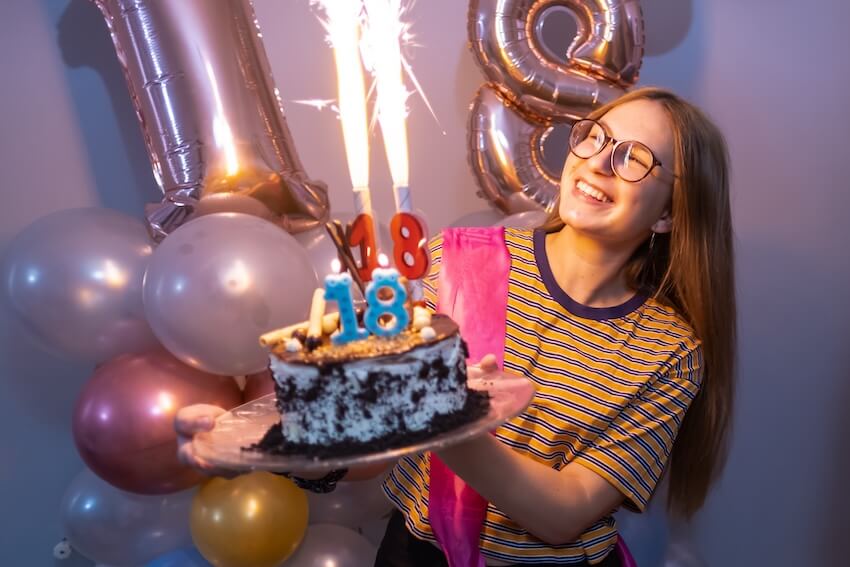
x: 691, y: 269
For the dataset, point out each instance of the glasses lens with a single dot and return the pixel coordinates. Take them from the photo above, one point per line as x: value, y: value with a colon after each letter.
x: 586, y: 138
x: 632, y: 161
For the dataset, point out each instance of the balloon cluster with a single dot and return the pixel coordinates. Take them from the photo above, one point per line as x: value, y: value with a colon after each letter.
x: 166, y: 326
x: 530, y: 90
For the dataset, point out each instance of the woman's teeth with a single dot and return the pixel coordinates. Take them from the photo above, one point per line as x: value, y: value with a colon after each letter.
x: 592, y: 192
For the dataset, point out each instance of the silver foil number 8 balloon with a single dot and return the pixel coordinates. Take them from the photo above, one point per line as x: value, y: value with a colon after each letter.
x: 530, y: 90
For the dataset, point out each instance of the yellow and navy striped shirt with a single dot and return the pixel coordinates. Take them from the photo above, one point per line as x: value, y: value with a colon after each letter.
x: 613, y: 385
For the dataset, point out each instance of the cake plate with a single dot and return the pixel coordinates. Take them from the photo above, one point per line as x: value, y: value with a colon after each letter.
x: 224, y: 446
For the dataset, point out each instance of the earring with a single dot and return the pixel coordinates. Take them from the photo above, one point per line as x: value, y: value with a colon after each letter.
x: 651, y: 242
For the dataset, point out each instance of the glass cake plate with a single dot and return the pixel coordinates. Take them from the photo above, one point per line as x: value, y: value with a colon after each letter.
x: 224, y: 446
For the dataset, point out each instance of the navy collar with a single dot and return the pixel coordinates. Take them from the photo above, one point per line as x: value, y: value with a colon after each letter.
x: 567, y: 302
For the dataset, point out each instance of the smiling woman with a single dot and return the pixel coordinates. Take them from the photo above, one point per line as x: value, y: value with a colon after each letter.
x: 621, y: 309
x: 673, y: 227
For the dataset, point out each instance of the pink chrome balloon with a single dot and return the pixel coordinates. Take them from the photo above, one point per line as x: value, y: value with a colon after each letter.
x: 605, y: 56
x: 211, y: 115
x: 506, y: 155
x: 123, y: 423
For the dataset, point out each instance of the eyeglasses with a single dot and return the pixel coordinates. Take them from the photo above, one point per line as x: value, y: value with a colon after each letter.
x: 630, y: 160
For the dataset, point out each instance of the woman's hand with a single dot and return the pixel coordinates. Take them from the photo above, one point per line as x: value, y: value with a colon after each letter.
x: 190, y: 421
x: 485, y: 366
x: 197, y: 418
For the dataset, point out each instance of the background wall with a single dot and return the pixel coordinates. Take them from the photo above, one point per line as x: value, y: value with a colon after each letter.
x: 773, y: 74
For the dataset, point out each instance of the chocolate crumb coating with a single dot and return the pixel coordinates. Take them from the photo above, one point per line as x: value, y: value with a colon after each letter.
x: 397, y: 391
x: 477, y: 406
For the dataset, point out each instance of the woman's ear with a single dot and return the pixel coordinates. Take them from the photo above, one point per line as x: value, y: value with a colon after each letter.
x: 664, y: 223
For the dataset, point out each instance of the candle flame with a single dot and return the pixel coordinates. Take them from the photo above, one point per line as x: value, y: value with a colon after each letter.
x: 384, y: 33
x: 342, y: 22
x: 336, y: 265
x: 383, y: 261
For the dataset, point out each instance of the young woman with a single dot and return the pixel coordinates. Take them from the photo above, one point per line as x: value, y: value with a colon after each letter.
x: 621, y: 309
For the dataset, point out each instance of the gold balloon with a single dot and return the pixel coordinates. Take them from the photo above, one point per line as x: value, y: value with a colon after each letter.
x: 254, y: 520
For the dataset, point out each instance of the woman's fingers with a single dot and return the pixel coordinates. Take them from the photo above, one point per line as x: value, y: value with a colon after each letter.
x: 190, y: 421
x: 488, y: 363
x: 194, y: 419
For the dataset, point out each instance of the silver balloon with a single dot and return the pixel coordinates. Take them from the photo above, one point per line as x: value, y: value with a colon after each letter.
x: 506, y: 155
x: 527, y: 219
x: 74, y: 278
x: 121, y: 529
x: 219, y: 282
x: 505, y: 36
x: 327, y: 544
x: 211, y: 116
x: 353, y: 504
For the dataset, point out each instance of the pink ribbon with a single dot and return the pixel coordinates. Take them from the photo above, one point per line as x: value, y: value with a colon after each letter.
x: 473, y: 290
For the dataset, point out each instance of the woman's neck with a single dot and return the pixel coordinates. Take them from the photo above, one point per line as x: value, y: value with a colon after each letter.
x: 589, y: 271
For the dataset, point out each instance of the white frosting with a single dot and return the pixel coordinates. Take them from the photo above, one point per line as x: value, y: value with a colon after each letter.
x: 315, y: 421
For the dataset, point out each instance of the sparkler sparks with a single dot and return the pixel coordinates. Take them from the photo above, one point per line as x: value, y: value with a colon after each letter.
x: 342, y: 21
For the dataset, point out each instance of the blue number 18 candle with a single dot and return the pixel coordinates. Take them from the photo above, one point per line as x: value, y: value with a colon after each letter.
x: 338, y: 288
x: 386, y: 278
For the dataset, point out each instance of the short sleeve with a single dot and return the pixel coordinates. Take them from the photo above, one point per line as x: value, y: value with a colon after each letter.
x: 429, y: 282
x: 632, y: 452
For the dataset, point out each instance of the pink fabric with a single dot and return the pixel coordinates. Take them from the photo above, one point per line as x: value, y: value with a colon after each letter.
x: 622, y: 550
x: 473, y: 290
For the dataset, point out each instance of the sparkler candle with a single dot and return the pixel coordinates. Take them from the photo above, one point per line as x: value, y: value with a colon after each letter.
x: 385, y: 34
x: 342, y: 21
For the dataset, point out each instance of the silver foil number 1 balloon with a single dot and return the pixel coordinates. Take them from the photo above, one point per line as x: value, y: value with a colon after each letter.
x: 211, y: 116
x: 530, y: 90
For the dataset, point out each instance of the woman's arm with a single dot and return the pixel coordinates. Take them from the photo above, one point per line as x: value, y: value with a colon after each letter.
x: 555, y: 506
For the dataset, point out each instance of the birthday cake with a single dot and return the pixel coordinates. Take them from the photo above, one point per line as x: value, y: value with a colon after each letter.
x: 372, y: 394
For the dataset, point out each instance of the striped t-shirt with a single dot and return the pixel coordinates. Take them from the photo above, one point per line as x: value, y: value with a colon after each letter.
x: 613, y: 385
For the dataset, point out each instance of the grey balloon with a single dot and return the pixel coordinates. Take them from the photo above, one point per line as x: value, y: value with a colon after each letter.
x: 121, y: 529
x: 74, y: 278
x: 327, y: 544
x: 353, y: 504
x: 219, y: 282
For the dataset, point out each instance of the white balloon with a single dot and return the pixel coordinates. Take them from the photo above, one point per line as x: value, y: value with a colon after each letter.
x: 74, y: 279
x: 114, y: 527
x: 327, y: 544
x: 219, y: 282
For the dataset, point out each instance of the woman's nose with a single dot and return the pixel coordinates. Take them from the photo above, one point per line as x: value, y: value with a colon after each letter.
x: 601, y: 162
